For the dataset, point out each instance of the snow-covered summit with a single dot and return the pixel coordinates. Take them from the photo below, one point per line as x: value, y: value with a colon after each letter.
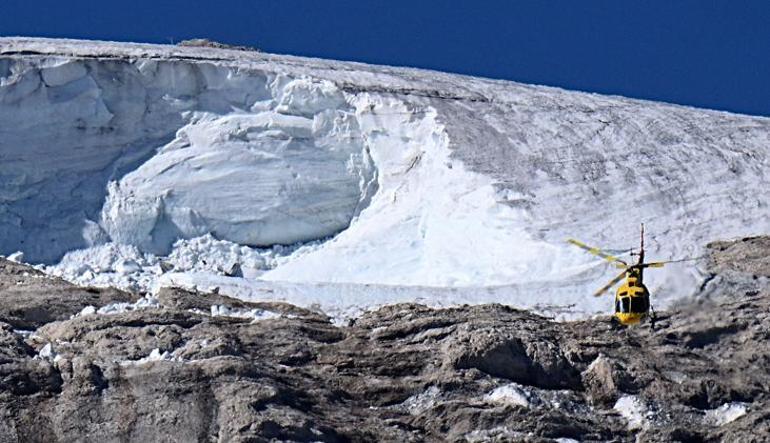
x: 393, y: 176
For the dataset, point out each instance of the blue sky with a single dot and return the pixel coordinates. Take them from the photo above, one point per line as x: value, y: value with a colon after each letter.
x: 705, y: 53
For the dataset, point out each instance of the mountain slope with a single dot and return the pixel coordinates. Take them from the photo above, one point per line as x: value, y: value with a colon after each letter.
x: 93, y: 365
x: 397, y: 177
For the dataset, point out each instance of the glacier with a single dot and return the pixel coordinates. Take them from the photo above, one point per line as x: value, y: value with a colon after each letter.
x: 345, y: 186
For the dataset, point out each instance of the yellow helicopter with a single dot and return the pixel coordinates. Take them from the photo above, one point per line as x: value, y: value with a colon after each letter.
x: 632, y: 299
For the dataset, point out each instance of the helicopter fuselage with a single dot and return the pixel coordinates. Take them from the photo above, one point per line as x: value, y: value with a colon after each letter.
x: 632, y: 299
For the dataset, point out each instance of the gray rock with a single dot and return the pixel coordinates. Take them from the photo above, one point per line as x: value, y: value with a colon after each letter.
x: 31, y: 299
x: 401, y: 373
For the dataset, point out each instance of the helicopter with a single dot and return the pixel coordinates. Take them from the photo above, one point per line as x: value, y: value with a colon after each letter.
x: 632, y: 298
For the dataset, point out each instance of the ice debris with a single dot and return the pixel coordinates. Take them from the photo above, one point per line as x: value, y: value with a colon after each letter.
x: 253, y: 314
x: 146, y: 302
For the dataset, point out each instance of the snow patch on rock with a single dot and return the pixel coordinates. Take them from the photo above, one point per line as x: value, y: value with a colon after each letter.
x: 252, y: 314
x: 512, y: 394
x: 147, y: 302
x: 421, y: 402
x: 154, y: 356
x: 24, y: 333
x: 17, y: 257
x: 633, y: 409
x: 727, y: 413
x: 47, y: 353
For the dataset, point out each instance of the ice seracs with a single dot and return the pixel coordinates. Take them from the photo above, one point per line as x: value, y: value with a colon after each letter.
x: 145, y: 152
x: 257, y: 179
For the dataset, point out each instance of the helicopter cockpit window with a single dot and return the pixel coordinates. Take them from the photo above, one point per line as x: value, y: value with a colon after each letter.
x: 623, y: 305
x: 640, y: 305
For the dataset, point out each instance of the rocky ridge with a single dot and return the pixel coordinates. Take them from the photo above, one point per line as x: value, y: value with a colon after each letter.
x: 86, y: 364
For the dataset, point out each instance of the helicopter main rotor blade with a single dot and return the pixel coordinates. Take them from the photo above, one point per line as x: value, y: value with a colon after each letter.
x: 596, y: 251
x: 655, y: 264
x: 609, y: 285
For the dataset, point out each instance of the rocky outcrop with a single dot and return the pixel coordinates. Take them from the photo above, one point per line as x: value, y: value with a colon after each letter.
x: 31, y: 298
x: 205, y: 367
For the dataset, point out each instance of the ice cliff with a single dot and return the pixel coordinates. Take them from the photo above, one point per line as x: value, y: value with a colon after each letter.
x: 144, y: 152
x: 400, y: 176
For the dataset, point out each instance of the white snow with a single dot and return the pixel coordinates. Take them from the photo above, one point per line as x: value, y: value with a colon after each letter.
x: 421, y: 402
x: 17, y: 257
x: 24, y: 333
x: 147, y: 302
x: 390, y: 184
x: 155, y: 355
x: 88, y: 310
x: 109, y: 264
x: 511, y: 394
x: 420, y: 215
x: 633, y: 409
x: 253, y: 314
x: 47, y: 352
x: 727, y: 413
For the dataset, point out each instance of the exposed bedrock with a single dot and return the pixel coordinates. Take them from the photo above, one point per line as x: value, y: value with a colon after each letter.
x: 106, y: 366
